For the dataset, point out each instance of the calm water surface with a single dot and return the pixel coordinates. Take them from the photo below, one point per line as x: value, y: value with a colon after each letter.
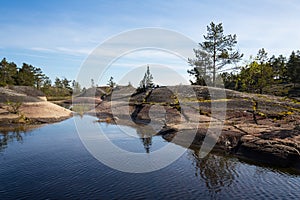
x: 50, y: 162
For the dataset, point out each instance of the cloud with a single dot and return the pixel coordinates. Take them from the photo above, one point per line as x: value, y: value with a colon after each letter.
x: 72, y: 32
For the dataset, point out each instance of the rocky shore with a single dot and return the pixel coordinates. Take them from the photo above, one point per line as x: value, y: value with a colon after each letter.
x: 260, y: 128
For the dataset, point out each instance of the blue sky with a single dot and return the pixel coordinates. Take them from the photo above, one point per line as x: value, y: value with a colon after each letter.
x: 59, y: 35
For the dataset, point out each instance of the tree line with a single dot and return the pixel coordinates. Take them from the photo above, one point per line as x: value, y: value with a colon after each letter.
x: 259, y: 74
x: 262, y: 74
x: 216, y: 62
x: 28, y: 75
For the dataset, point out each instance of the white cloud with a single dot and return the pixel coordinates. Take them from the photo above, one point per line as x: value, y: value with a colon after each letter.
x: 272, y: 24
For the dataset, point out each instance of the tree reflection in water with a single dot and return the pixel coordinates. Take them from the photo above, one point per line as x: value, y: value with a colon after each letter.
x: 14, y: 133
x: 147, y: 142
x: 146, y: 133
x: 8, y: 136
x: 218, y: 172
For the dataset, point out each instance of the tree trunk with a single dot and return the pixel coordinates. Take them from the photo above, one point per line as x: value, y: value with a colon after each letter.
x: 214, y: 67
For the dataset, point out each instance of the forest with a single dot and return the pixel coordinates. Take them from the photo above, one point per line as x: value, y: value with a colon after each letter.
x: 28, y: 75
x: 275, y: 75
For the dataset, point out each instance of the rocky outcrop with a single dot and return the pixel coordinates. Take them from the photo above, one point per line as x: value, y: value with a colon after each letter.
x: 18, y: 107
x: 274, y: 151
x: 273, y: 137
x: 29, y: 91
x: 44, y: 112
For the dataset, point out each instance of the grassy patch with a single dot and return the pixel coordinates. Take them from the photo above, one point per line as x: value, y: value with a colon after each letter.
x: 81, y: 108
x: 192, y: 99
x: 58, y: 98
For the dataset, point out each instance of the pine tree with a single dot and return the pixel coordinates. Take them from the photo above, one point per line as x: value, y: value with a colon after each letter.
x: 279, y: 68
x: 149, y: 78
x: 92, y: 83
x: 220, y: 49
x: 293, y: 68
x: 58, y: 83
x: 146, y: 82
x: 265, y: 72
x: 8, y: 73
x: 76, y: 87
x: 39, y: 77
x: 202, y: 64
x: 26, y: 75
x: 66, y: 84
x: 111, y: 82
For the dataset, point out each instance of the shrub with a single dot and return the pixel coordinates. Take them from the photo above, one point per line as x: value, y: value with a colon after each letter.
x: 13, y: 107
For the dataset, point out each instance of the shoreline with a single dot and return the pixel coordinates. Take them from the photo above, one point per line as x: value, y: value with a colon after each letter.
x: 273, y: 139
x: 33, y: 113
x: 230, y: 144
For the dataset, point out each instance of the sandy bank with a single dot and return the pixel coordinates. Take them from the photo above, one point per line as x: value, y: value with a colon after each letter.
x: 34, y: 112
x: 33, y: 107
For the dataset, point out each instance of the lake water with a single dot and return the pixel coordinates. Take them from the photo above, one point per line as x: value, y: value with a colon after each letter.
x: 51, y: 162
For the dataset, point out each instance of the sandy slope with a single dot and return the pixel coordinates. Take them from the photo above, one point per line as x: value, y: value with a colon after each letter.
x: 34, y: 109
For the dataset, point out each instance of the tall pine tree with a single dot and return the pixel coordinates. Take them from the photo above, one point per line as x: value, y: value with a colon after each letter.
x: 8, y: 73
x: 146, y: 82
x: 219, y: 48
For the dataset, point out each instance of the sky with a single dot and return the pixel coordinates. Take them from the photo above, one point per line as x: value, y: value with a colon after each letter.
x: 60, y: 35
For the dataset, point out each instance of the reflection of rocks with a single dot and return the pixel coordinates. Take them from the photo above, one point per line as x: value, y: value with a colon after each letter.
x: 168, y: 133
x: 275, y: 139
x: 141, y: 114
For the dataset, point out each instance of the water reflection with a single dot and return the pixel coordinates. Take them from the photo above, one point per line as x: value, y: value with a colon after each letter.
x: 218, y: 172
x: 145, y: 134
x: 8, y: 136
x: 61, y: 167
x: 14, y: 133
